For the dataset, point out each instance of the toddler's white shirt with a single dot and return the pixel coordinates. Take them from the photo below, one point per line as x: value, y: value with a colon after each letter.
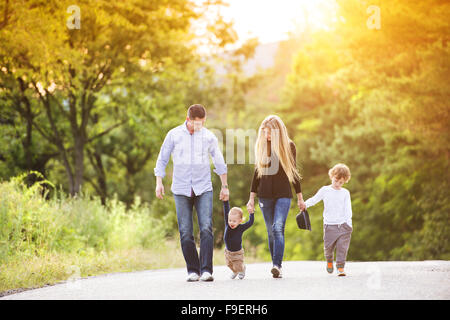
x: 337, y: 205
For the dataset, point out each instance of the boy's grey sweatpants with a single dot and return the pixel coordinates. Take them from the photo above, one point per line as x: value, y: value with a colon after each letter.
x: 336, y: 236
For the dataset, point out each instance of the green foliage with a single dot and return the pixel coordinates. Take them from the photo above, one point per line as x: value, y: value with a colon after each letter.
x: 384, y: 113
x: 64, y: 93
x: 33, y: 226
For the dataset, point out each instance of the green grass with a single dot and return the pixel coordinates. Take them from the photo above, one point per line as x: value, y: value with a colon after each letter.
x: 33, y: 226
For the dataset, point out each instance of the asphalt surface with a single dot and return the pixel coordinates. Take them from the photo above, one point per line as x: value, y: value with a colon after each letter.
x: 302, y: 280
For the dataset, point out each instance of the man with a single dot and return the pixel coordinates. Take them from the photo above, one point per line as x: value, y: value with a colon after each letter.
x: 190, y: 145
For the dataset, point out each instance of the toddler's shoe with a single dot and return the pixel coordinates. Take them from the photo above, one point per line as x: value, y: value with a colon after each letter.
x: 233, y: 275
x: 330, y: 268
x: 241, y: 274
x: 341, y: 272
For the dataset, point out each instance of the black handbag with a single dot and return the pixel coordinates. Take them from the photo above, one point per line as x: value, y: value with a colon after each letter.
x: 303, y: 221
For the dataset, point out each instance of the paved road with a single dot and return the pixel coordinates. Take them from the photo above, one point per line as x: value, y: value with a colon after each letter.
x: 301, y: 280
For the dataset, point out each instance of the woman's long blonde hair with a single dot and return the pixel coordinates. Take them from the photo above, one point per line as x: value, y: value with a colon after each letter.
x: 280, y: 148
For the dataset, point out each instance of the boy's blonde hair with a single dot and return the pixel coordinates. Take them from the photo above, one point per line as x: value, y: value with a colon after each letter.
x: 340, y: 171
x: 236, y: 210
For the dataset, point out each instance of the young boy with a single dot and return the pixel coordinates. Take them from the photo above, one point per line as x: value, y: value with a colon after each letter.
x: 337, y: 216
x: 234, y: 253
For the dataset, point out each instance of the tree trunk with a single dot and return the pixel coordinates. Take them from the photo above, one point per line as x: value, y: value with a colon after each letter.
x: 79, y: 162
x: 95, y: 158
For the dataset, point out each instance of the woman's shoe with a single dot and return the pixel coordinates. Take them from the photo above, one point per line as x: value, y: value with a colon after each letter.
x: 341, y: 272
x: 276, y: 272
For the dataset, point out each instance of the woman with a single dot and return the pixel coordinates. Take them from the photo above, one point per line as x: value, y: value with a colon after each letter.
x: 275, y: 170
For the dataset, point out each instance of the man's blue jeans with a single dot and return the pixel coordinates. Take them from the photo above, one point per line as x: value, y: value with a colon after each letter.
x: 275, y: 212
x: 184, y: 207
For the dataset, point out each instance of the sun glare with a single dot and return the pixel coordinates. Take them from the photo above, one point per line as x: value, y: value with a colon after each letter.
x: 269, y: 20
x: 272, y: 20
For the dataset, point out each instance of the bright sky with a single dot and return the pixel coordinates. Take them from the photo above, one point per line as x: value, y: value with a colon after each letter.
x: 271, y: 20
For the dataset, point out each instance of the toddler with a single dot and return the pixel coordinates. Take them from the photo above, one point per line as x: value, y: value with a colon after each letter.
x: 234, y: 253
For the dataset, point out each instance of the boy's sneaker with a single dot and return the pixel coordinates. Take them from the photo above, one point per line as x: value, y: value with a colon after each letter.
x: 233, y: 275
x: 341, y: 272
x: 276, y: 272
x: 330, y: 268
x: 192, y: 277
x: 241, y: 274
x: 206, y: 276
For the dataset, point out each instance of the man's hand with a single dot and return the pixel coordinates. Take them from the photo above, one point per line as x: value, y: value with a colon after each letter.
x: 159, y: 188
x: 224, y: 193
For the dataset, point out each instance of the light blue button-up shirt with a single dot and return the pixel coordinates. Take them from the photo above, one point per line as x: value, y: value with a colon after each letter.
x: 190, y: 156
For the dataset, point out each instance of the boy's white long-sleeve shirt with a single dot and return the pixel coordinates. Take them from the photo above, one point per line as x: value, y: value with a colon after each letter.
x: 337, y: 205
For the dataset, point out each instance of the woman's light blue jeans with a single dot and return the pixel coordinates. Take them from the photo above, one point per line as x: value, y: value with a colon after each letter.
x: 275, y: 212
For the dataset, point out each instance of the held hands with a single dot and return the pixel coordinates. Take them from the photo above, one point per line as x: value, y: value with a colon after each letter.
x: 251, y: 206
x: 301, y: 204
x: 224, y: 194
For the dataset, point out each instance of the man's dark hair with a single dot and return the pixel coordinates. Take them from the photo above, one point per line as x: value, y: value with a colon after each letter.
x: 196, y: 111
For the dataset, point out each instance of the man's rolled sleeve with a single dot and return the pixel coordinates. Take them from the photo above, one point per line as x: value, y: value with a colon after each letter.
x: 217, y: 157
x: 164, y: 156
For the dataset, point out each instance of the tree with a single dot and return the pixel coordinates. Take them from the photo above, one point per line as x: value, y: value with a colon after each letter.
x: 377, y: 101
x: 68, y: 70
